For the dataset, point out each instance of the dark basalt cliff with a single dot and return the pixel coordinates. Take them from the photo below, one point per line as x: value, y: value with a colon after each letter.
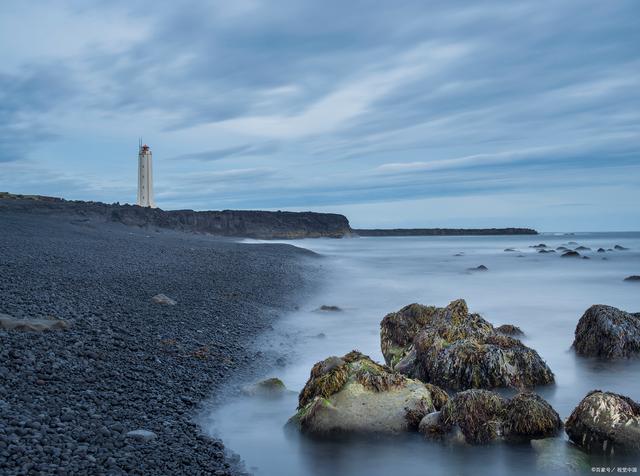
x: 445, y: 231
x: 236, y: 223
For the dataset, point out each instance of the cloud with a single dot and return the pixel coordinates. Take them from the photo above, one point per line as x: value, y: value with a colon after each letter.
x: 321, y: 104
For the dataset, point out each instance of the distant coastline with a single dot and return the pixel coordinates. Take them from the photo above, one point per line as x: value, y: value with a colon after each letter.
x: 232, y: 223
x: 444, y: 231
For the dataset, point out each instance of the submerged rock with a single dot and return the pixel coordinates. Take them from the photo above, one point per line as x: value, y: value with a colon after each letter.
x: 583, y: 248
x: 541, y: 245
x: 509, y: 250
x: 605, y: 422
x: 570, y: 254
x: 480, y: 417
x: 325, y: 308
x: 454, y: 349
x: 354, y: 394
x: 620, y: 248
x: 510, y: 330
x: 562, y: 248
x: 479, y: 268
x: 632, y: 278
x: 608, y: 332
x: 35, y: 325
x: 163, y: 299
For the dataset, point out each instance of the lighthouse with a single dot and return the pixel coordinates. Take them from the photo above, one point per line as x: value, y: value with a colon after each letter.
x: 145, y: 177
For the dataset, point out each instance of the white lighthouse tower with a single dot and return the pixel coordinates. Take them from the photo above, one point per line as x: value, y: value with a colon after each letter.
x: 145, y: 177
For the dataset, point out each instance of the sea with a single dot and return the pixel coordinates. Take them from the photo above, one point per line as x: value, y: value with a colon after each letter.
x: 542, y: 293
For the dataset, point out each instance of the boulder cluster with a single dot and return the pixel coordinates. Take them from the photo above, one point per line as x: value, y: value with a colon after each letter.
x: 458, y: 350
x: 441, y: 365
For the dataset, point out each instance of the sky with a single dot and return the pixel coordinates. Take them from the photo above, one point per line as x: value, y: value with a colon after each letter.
x: 396, y: 114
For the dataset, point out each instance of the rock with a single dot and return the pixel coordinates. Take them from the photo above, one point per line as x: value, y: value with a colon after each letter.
x: 34, y: 325
x: 583, y: 248
x: 457, y: 350
x: 605, y: 422
x: 353, y: 394
x: 479, y: 268
x: 271, y: 387
x: 164, y: 300
x: 572, y: 243
x: 620, y: 248
x: 459, y: 254
x: 607, y: 332
x: 601, y: 250
x: 141, y: 435
x: 562, y: 248
x: 541, y: 245
x: 529, y: 417
x: 510, y: 330
x: 633, y: 277
x: 570, y: 254
x: 585, y: 257
x: 546, y: 251
x: 510, y: 250
x: 483, y: 417
x: 326, y: 308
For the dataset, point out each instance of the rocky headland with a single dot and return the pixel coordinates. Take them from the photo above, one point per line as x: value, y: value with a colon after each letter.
x: 233, y: 223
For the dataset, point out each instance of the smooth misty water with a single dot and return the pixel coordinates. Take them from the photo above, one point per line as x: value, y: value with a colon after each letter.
x: 543, y: 294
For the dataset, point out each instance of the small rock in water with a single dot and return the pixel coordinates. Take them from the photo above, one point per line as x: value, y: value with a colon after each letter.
x: 570, y: 254
x: 546, y: 251
x: 562, y: 248
x: 601, y: 250
x: 585, y: 257
x: 141, y: 435
x: 271, y: 387
x: 459, y: 254
x: 164, y: 300
x: 326, y: 308
x: 510, y: 249
x: 541, y: 245
x: 583, y: 248
x: 479, y: 268
x: 633, y: 277
x: 573, y: 243
x: 321, y: 335
x: 620, y: 248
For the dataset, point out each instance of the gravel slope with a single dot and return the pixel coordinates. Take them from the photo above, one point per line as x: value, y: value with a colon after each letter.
x: 68, y: 397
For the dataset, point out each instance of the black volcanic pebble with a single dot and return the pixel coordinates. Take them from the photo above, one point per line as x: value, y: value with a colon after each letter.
x: 69, y: 397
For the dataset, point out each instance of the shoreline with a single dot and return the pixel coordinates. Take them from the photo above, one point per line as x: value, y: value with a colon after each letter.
x: 126, y: 363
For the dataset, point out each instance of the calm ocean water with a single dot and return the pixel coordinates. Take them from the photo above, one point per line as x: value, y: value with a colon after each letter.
x: 543, y: 294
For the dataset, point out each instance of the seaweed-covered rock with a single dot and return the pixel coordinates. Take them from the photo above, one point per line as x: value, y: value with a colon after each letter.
x: 509, y: 330
x: 605, y: 422
x: 455, y: 349
x: 480, y: 417
x: 608, y: 332
x: 354, y: 394
x: 529, y: 417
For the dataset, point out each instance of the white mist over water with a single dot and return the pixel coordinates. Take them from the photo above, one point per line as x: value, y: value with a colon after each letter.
x: 543, y: 294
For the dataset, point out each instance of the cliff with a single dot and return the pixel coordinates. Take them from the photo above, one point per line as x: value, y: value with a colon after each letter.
x: 235, y: 223
x: 444, y: 231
